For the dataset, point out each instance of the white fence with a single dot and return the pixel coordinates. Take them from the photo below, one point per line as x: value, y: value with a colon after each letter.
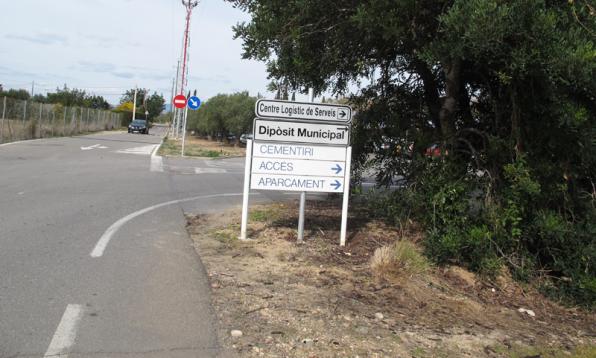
x: 21, y: 120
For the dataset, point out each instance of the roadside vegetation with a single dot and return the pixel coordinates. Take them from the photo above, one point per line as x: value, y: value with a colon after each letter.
x: 376, y: 297
x: 62, y: 113
x: 196, y: 147
x: 65, y: 96
x: 224, y: 117
x: 484, y: 109
x: 149, y: 106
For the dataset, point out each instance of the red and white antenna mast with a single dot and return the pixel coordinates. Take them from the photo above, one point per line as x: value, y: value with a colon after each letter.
x: 189, y: 5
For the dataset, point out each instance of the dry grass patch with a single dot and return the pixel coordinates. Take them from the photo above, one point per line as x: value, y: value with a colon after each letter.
x: 196, y: 147
x: 400, y: 260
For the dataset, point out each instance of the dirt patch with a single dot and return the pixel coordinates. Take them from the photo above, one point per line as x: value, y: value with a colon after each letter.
x: 321, y: 300
x: 197, y: 147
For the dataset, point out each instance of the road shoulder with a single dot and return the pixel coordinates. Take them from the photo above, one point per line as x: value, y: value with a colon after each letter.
x: 318, y: 299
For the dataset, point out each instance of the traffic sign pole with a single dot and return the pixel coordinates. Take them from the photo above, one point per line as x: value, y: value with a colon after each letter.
x: 247, y: 165
x: 184, y: 129
x: 311, y: 98
x: 179, y: 102
x: 344, y: 206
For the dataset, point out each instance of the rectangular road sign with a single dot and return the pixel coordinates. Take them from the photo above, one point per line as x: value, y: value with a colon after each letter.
x: 301, y: 132
x: 298, y: 167
x: 298, y: 151
x: 266, y: 108
x: 320, y: 184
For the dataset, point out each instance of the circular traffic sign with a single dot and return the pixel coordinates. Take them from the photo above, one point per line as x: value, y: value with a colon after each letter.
x: 180, y: 101
x: 194, y: 102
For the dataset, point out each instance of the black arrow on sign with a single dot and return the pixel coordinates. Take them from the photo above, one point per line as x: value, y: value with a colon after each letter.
x: 342, y: 113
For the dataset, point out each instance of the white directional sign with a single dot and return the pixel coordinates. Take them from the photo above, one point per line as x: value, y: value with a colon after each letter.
x: 301, y: 132
x: 290, y: 167
x: 266, y: 108
x: 295, y: 151
x: 300, y: 147
x: 297, y: 183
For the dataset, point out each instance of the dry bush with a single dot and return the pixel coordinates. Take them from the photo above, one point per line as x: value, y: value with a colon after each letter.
x: 382, y: 261
x: 401, y: 259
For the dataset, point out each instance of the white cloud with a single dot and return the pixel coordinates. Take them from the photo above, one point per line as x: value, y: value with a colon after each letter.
x: 118, y: 44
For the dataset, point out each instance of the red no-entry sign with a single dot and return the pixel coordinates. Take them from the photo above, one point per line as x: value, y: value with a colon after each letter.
x: 180, y: 101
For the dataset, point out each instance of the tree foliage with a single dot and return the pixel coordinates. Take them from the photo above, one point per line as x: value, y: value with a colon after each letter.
x: 73, y: 97
x: 154, y: 103
x: 64, y: 96
x: 16, y: 94
x: 224, y: 114
x: 505, y: 89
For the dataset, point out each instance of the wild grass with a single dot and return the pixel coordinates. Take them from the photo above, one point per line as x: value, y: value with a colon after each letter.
x: 401, y: 259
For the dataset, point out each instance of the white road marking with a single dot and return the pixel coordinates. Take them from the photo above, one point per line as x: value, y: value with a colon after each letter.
x: 66, y: 332
x: 156, y: 160
x: 95, y: 146
x: 144, y: 150
x: 210, y: 171
x: 21, y: 141
x: 101, y: 245
x: 90, y: 147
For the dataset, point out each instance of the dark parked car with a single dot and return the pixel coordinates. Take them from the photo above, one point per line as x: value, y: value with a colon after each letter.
x: 245, y: 137
x: 138, y: 125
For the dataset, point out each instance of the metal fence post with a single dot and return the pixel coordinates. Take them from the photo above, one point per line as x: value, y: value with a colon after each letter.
x: 23, y: 122
x: 53, y: 120
x: 64, y: 122
x: 40, y: 122
x: 2, y: 124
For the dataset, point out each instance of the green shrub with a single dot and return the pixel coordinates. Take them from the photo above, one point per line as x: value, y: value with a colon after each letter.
x: 514, y: 222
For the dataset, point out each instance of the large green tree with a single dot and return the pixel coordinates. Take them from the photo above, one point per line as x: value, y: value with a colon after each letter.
x: 505, y: 89
x: 224, y: 114
x: 152, y: 103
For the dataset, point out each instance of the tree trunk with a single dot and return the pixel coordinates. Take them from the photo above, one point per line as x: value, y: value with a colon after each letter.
x: 449, y: 107
x: 516, y: 122
x: 431, y: 91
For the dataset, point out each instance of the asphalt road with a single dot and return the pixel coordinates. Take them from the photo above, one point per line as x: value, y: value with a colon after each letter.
x: 144, y: 293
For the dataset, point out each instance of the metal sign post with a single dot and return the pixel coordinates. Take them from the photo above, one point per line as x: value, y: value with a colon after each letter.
x: 193, y: 103
x: 184, y: 130
x: 245, y: 191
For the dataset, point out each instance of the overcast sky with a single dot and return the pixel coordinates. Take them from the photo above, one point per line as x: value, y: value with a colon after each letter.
x: 108, y: 46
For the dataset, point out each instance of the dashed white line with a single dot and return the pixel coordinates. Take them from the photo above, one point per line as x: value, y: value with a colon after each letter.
x: 66, y: 332
x: 101, y: 245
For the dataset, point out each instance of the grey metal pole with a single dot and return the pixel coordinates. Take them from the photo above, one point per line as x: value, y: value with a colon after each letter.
x: 184, y: 129
x: 301, y: 217
x: 246, y: 190
x: 175, y: 119
x: 311, y: 98
x: 172, y: 98
x: 134, y: 105
x: 2, y: 124
x: 53, y: 120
